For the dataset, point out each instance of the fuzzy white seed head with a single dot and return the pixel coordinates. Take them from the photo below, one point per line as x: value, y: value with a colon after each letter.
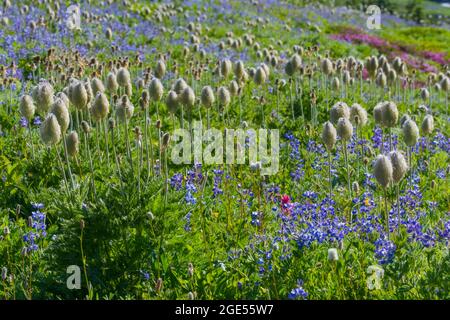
x: 381, y: 80
x: 27, y: 107
x: 239, y: 69
x: 335, y: 84
x: 355, y: 187
x: 43, y: 96
x: 329, y: 135
x: 260, y: 76
x: 160, y: 69
x: 234, y: 88
x: 207, y: 97
x: 123, y: 77
x: 344, y: 129
x: 179, y: 85
x: 100, y: 108
x: 289, y: 68
x: 296, y: 61
x: 403, y: 119
x: 156, y: 89
x: 339, y: 110
x: 346, y: 77
x: 129, y: 89
x: 85, y: 127
x: 389, y: 114
x: 392, y: 75
x: 59, y: 109
x: 382, y: 170
x: 424, y: 94
x: 124, y: 109
x: 358, y: 115
x: 266, y: 69
x: 72, y: 143
x: 445, y: 84
x: 427, y: 125
x: 437, y: 87
x: 78, y: 95
x: 224, y: 96
x: 97, y: 86
x: 399, y: 166
x: 397, y: 63
x: 225, y: 67
x: 378, y: 113
x: 140, y: 83
x: 187, y: 97
x: 165, y: 141
x: 50, y: 130
x: 410, y: 133
x: 61, y: 95
x: 326, y: 66
x: 111, y: 83
x: 172, y: 101
x: 90, y: 93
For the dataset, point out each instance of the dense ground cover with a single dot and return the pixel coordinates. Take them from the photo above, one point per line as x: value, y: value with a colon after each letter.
x: 358, y: 209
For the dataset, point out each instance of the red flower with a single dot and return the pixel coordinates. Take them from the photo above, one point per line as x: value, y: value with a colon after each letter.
x: 286, y: 204
x: 285, y: 199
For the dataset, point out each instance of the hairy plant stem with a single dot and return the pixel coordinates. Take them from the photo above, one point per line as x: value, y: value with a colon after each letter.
x: 147, y: 148
x: 91, y: 167
x: 97, y: 134
x: 292, y: 101
x: 105, y: 128
x: 62, y: 170
x: 344, y: 145
x: 68, y: 163
x: 182, y: 117
x: 159, y: 146
x: 116, y: 161
x: 329, y: 173
x: 386, y: 211
x: 127, y: 141
x: 30, y: 135
x: 139, y: 145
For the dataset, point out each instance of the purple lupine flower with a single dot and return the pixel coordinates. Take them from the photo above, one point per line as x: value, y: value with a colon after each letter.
x: 298, y: 292
x: 37, y: 121
x: 385, y: 250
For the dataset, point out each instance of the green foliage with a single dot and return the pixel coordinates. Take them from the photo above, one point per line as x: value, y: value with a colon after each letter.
x: 133, y: 238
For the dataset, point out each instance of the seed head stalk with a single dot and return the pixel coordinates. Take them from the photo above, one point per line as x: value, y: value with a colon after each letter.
x: 329, y: 173
x: 127, y: 140
x: 386, y: 211
x: 116, y: 161
x: 159, y: 144
x: 182, y: 117
x: 148, y: 151
x: 139, y: 145
x: 97, y: 138
x: 344, y: 145
x: 68, y: 163
x: 105, y: 126
x: 62, y: 170
x: 30, y: 135
x: 292, y: 100
x: 88, y: 149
